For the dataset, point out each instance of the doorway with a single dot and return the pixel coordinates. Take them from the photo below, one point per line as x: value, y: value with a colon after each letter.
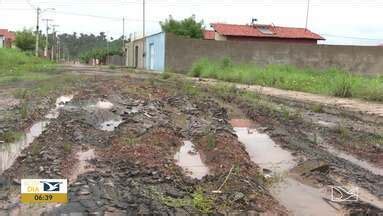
x: 135, y: 56
x: 151, y: 56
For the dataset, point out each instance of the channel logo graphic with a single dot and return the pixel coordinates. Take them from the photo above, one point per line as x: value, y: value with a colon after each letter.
x: 51, y: 186
x: 44, y: 190
x: 342, y: 194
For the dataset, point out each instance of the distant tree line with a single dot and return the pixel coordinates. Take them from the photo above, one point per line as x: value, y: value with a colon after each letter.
x: 73, y: 46
x: 87, y: 46
x: 83, y: 45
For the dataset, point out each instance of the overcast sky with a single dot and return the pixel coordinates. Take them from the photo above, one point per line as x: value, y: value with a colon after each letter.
x: 339, y: 21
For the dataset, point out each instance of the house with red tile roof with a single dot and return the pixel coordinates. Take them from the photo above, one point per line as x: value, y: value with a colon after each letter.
x: 6, y: 38
x: 261, y: 33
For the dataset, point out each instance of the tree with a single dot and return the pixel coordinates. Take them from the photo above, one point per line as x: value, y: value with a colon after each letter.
x: 25, y: 40
x: 187, y: 27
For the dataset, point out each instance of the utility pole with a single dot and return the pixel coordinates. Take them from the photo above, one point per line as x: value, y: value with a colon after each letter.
x: 143, y: 18
x: 143, y: 32
x: 123, y: 34
x: 307, y: 14
x: 58, y: 50
x: 38, y: 13
x: 37, y: 31
x: 53, y: 41
x: 46, y: 39
x: 123, y: 42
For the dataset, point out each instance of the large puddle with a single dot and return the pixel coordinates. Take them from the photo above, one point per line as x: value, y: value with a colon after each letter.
x: 10, y: 151
x: 263, y: 151
x: 297, y: 197
x: 102, y: 117
x: 190, y: 160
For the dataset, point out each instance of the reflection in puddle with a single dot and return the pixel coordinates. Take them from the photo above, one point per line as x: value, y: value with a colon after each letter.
x: 83, y: 165
x: 102, y: 104
x: 299, y: 198
x: 263, y: 151
x: 190, y: 160
x: 302, y: 199
x: 364, y: 164
x: 60, y: 102
x: 110, y: 125
x: 10, y: 151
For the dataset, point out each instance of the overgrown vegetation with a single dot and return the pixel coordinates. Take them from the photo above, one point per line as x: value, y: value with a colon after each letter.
x: 16, y: 65
x: 329, y: 82
x: 188, y: 27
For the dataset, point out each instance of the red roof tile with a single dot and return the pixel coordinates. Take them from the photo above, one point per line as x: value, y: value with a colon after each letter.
x: 208, y: 35
x: 253, y: 31
x: 7, y: 34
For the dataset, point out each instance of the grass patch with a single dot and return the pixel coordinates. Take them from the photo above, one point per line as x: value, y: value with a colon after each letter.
x: 318, y: 108
x: 10, y: 136
x: 343, y: 131
x: 191, y: 89
x: 131, y: 141
x: 18, y: 66
x: 202, y: 202
x: 166, y: 75
x: 211, y: 143
x: 67, y: 148
x: 328, y: 82
x: 198, y: 200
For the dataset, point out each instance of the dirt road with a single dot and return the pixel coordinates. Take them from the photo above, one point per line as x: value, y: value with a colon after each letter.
x: 142, y: 144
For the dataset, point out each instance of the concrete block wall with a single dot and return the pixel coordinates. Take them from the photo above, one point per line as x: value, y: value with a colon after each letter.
x: 181, y: 53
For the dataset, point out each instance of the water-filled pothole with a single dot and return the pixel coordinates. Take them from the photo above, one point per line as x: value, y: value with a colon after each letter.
x: 297, y: 197
x: 110, y: 125
x: 10, y: 151
x: 190, y: 160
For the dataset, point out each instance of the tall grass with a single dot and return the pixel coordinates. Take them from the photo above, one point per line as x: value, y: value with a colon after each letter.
x: 328, y: 82
x: 16, y: 65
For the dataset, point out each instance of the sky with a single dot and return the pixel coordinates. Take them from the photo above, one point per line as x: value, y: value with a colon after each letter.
x: 339, y: 21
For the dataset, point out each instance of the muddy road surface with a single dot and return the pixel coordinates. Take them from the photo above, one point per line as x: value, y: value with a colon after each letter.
x: 142, y: 144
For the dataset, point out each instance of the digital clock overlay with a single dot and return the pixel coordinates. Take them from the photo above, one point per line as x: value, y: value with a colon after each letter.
x: 44, y: 190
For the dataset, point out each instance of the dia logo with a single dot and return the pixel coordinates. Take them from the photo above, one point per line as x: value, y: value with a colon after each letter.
x: 51, y: 186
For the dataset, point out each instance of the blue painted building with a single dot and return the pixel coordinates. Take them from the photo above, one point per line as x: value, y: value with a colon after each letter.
x: 155, y: 52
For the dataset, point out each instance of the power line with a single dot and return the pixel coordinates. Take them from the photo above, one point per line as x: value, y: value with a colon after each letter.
x: 31, y: 5
x: 215, y: 3
x: 85, y: 15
